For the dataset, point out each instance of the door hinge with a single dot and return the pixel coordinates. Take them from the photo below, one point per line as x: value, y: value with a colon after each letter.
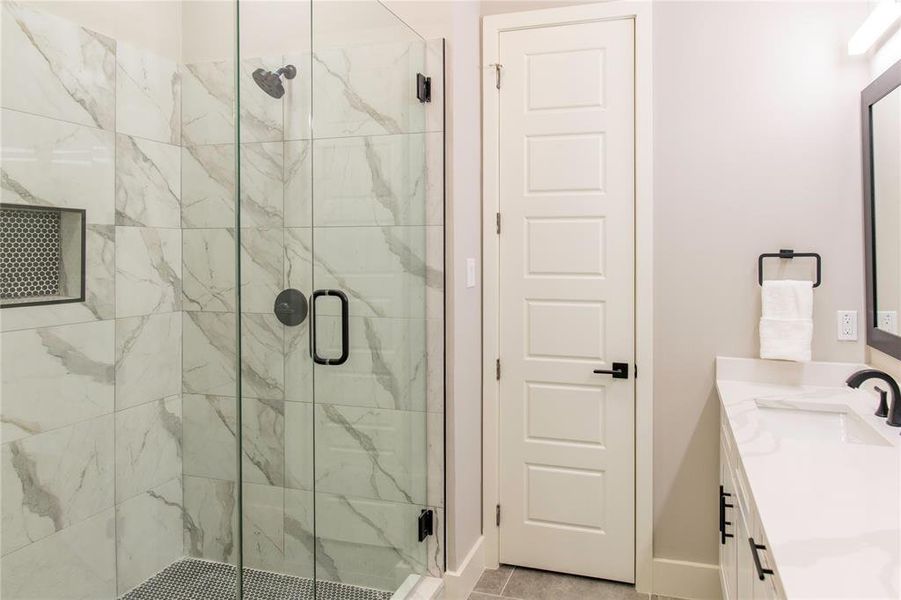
x: 423, y: 88
x: 424, y: 523
x: 636, y: 371
x: 497, y: 515
x: 497, y: 369
x: 497, y: 74
x: 498, y: 223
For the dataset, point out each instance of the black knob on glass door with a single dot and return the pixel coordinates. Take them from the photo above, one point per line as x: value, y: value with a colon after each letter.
x: 619, y: 371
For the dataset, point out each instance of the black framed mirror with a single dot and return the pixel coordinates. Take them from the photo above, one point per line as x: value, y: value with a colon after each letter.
x: 881, y: 129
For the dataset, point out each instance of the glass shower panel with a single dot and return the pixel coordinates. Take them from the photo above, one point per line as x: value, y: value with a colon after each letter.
x: 377, y: 233
x: 120, y: 410
x: 275, y: 255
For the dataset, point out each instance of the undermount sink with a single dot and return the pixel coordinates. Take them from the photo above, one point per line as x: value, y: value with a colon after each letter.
x: 816, y: 422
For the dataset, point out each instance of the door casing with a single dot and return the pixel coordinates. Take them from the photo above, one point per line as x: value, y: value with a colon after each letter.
x: 492, y: 26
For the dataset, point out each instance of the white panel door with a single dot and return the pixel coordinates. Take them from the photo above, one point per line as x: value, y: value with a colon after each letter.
x: 567, y: 298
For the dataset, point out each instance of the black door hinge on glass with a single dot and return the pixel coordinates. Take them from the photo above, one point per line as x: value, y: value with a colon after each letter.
x: 425, y: 524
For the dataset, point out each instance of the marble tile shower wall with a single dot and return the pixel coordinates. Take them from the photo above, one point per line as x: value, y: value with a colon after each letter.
x: 376, y: 167
x: 91, y: 456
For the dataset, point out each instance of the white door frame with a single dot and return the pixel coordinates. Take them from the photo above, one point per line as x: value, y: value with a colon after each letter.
x: 492, y: 26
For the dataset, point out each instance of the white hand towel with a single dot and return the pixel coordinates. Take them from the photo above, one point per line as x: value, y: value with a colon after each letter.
x: 786, y: 322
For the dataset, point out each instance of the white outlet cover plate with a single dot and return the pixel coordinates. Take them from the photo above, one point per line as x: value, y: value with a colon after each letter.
x: 846, y: 325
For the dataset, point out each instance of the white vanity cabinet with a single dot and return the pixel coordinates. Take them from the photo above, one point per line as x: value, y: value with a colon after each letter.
x: 739, y: 524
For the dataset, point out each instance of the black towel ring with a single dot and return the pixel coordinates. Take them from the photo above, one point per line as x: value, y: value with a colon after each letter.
x: 790, y: 254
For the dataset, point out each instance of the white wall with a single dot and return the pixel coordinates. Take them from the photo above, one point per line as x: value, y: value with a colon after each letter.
x: 757, y: 148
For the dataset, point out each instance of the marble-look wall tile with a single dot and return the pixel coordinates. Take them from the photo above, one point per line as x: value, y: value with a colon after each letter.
x: 371, y: 453
x: 261, y: 114
x: 378, y: 180
x: 298, y: 275
x: 262, y: 268
x: 54, y: 480
x: 435, y: 545
x: 434, y: 68
x: 149, y: 534
x: 209, y: 436
x: 210, y: 519
x: 299, y: 259
x: 148, y: 446
x: 435, y: 365
x: 298, y: 363
x: 100, y: 291
x: 434, y: 434
x: 366, y: 89
x: 299, y: 184
x: 60, y: 70
x: 148, y: 271
x: 56, y: 376
x: 208, y: 186
x: 148, y: 358
x: 263, y: 441
x: 385, y: 271
x: 262, y: 184
x: 386, y: 367
x: 367, y: 542
x: 301, y: 544
x: 148, y: 95
x: 77, y: 562
x: 299, y: 445
x: 263, y: 508
x: 208, y: 99
x: 209, y: 270
x: 298, y: 99
x: 262, y: 356
x: 32, y: 173
x: 209, y: 353
x: 148, y: 183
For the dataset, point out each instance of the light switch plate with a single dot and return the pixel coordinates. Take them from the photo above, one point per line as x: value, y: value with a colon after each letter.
x: 846, y: 324
x: 470, y: 272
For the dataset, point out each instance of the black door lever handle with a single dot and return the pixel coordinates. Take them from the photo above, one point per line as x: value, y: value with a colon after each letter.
x: 619, y: 371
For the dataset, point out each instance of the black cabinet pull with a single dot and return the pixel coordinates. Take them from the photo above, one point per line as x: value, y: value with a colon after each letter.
x: 619, y: 371
x: 723, y: 522
x: 345, y: 337
x: 755, y: 552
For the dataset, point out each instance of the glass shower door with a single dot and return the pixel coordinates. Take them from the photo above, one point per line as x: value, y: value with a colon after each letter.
x: 377, y: 239
x: 341, y: 321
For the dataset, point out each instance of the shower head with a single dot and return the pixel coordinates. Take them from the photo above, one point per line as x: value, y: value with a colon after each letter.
x: 271, y: 83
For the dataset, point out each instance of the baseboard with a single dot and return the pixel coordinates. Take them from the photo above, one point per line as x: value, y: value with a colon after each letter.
x: 681, y: 579
x: 458, y: 585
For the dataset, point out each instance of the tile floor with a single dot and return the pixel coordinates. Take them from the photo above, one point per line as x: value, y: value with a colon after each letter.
x: 519, y: 583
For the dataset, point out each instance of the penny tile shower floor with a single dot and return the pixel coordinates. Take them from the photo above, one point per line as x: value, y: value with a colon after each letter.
x: 192, y: 579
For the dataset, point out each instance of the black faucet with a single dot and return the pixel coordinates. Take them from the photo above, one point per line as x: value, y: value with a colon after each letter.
x: 894, y: 412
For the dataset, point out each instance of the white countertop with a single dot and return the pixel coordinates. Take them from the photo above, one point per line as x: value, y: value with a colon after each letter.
x: 831, y: 512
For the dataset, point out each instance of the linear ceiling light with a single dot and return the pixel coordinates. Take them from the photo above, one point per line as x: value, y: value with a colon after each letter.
x: 886, y: 13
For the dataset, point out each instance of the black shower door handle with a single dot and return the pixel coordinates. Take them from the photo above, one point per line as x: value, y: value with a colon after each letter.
x: 345, y: 345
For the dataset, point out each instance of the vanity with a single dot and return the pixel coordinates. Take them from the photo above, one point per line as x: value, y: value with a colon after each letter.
x: 809, y: 484
x: 809, y: 499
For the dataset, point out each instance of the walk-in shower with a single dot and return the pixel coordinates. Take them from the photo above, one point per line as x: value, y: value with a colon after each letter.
x: 232, y: 382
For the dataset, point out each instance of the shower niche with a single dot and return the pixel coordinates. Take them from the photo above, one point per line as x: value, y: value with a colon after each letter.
x: 42, y: 250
